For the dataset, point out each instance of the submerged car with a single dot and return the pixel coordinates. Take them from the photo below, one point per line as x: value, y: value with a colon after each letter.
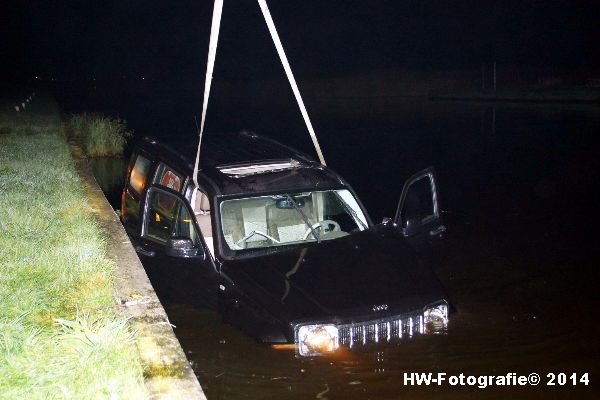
x: 281, y: 244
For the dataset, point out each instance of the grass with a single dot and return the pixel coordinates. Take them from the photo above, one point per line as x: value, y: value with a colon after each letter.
x: 61, y: 335
x: 99, y: 135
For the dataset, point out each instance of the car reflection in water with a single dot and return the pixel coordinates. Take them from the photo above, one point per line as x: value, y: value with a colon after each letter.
x: 230, y: 364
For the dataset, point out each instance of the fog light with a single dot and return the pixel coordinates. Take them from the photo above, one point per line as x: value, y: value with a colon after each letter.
x: 317, y: 339
x: 435, y: 318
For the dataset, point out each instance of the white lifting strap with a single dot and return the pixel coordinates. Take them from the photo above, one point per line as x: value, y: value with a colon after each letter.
x: 290, y: 76
x: 212, y: 53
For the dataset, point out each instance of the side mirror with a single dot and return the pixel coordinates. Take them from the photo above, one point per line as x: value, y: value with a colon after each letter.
x: 181, y: 247
x: 386, y: 221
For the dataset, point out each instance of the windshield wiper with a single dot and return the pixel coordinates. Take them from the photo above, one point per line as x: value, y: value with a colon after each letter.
x: 304, y: 217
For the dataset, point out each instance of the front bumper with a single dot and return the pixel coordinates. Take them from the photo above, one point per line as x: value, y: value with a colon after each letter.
x: 432, y: 319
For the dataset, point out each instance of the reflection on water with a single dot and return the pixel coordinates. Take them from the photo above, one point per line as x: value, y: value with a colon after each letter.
x: 110, y: 175
x: 517, y: 187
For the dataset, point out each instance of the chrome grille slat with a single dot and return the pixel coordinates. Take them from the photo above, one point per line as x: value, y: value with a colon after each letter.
x: 383, y: 329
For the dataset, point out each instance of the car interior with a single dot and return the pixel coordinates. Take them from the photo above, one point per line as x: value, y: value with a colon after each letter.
x: 271, y: 220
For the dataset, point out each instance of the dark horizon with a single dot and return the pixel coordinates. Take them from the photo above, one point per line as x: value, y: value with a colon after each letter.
x: 161, y: 41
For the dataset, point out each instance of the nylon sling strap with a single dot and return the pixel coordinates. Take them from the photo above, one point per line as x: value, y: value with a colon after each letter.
x: 212, y: 52
x: 288, y: 71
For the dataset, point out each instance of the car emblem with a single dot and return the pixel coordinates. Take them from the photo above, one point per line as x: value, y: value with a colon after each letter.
x: 380, y: 307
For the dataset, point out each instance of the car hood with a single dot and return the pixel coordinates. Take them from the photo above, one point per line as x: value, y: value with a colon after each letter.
x: 374, y: 272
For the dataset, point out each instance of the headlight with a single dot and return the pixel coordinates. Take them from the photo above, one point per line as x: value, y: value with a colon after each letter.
x: 317, y: 339
x: 435, y: 318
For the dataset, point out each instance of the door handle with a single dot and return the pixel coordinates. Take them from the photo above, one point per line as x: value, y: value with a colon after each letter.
x: 142, y: 251
x: 437, y: 231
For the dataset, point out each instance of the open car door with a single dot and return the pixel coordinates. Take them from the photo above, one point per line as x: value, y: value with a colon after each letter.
x: 172, y: 250
x: 419, y: 215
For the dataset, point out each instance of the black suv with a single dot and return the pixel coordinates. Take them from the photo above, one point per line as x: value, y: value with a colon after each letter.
x: 282, y: 245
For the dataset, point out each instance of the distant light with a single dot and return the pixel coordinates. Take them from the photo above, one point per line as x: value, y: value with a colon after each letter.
x: 143, y: 78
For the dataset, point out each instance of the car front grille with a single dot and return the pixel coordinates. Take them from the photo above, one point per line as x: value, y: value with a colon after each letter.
x: 381, y: 330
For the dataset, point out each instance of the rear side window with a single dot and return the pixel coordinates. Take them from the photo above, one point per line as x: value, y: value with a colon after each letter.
x: 167, y: 177
x: 168, y: 217
x: 139, y: 174
x: 130, y: 206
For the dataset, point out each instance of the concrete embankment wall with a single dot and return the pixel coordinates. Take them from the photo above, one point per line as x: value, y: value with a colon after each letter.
x: 167, y: 373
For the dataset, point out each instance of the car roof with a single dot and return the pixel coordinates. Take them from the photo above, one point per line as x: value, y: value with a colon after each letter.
x: 245, y: 163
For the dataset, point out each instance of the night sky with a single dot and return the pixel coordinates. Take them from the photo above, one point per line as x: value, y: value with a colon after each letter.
x: 168, y: 40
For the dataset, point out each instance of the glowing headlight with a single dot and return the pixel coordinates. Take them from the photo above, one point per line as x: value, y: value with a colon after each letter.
x: 317, y: 339
x: 435, y: 318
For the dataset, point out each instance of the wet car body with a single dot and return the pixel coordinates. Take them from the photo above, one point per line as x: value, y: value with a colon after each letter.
x: 388, y: 284
x: 353, y: 281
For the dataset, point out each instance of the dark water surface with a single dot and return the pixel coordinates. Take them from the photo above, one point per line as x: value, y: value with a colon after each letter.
x: 518, y: 184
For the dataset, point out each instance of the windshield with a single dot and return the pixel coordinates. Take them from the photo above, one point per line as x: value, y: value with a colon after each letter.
x: 267, y: 221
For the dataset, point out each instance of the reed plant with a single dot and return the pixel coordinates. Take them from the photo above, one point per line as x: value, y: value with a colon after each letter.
x: 99, y: 135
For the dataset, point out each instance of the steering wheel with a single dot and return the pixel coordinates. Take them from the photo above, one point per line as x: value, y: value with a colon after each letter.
x: 322, y: 225
x: 238, y: 244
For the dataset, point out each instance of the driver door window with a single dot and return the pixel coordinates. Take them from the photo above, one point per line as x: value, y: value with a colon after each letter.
x: 418, y: 204
x: 418, y: 212
x: 167, y: 217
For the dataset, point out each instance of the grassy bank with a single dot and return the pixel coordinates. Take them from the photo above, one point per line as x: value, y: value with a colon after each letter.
x: 61, y: 335
x: 99, y: 135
